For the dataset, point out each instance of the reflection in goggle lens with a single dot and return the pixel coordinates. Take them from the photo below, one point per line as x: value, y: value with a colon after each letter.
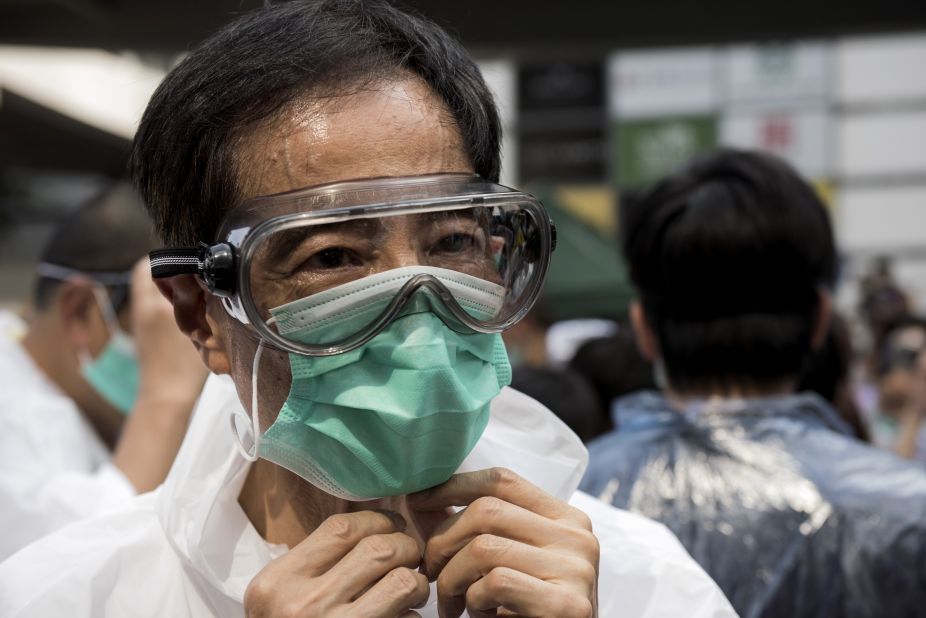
x: 496, y: 244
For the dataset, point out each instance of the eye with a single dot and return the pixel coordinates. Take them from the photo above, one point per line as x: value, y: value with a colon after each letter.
x: 456, y: 243
x: 334, y: 257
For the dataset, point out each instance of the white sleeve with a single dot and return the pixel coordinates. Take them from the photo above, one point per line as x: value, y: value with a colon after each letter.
x: 644, y: 571
x: 37, y: 498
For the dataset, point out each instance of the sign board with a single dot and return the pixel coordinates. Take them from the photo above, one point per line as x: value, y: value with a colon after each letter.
x: 560, y: 85
x: 501, y: 78
x: 800, y: 135
x: 659, y: 83
x: 561, y: 122
x: 882, y: 69
x: 574, y: 156
x: 763, y: 74
x: 646, y: 150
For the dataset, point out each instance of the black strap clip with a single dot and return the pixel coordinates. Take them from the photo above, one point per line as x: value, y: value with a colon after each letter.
x: 214, y: 264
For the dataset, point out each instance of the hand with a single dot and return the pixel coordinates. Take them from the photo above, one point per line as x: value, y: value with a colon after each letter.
x: 514, y: 549
x: 913, y: 415
x: 171, y: 378
x: 918, y: 407
x: 354, y: 564
x: 168, y: 363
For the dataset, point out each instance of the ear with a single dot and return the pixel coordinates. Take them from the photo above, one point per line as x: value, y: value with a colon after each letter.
x: 643, y: 333
x: 822, y: 319
x: 192, y: 313
x: 75, y: 305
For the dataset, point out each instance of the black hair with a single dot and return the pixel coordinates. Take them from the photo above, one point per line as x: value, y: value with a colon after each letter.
x: 183, y: 157
x: 729, y: 256
x: 614, y: 366
x: 567, y: 394
x: 828, y: 373
x: 105, y: 236
x: 890, y: 353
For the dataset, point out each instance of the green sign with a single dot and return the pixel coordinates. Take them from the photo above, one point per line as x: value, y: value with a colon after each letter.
x: 647, y: 150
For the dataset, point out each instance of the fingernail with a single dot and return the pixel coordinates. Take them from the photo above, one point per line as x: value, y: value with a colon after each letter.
x: 397, y: 520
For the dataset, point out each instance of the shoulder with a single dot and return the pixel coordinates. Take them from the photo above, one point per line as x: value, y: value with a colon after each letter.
x: 645, y: 571
x: 113, y: 565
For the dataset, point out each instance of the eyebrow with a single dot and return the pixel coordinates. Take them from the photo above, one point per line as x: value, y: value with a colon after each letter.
x: 283, y: 243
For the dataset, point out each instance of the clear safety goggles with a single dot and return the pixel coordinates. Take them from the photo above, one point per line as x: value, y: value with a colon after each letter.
x: 471, y: 251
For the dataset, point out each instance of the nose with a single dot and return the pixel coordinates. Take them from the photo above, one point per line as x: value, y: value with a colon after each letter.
x: 401, y: 245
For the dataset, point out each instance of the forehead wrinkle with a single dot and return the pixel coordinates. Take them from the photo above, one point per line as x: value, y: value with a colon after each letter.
x: 398, y: 128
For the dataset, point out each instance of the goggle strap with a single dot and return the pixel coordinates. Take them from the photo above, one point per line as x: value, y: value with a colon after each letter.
x: 177, y: 261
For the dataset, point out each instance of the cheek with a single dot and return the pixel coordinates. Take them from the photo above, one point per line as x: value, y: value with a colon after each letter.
x: 274, y: 380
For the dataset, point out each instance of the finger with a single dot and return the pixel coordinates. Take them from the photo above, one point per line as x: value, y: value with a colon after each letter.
x: 487, y: 552
x: 369, y: 561
x: 490, y: 515
x: 338, y: 535
x: 400, y: 590
x: 463, y: 489
x: 524, y: 595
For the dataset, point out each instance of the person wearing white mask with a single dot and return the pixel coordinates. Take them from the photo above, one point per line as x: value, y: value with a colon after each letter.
x: 72, y: 371
x: 325, y: 174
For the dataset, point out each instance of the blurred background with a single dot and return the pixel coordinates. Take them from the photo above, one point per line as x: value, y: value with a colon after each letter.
x: 596, y: 97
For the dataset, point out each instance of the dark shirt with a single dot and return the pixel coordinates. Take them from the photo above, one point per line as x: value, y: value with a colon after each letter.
x: 789, y: 513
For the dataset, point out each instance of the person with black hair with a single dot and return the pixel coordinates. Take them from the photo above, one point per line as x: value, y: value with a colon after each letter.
x: 347, y: 259
x: 734, y: 260
x: 99, y: 344
x: 900, y: 370
x: 567, y: 393
x: 614, y: 366
x: 829, y: 372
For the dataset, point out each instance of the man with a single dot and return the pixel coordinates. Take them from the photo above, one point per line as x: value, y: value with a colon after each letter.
x: 356, y: 277
x: 73, y: 374
x: 734, y: 260
x: 900, y: 367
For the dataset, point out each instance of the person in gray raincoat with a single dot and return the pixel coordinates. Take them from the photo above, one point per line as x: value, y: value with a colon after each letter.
x: 734, y: 260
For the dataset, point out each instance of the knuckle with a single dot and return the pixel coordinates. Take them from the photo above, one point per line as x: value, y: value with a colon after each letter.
x: 258, y: 593
x: 403, y: 581
x: 437, y: 555
x: 503, y: 477
x: 586, y: 572
x: 339, y: 527
x: 577, y: 607
x: 291, y: 609
x: 486, y: 507
x: 592, y: 547
x: 408, y: 545
x: 444, y: 588
x: 488, y: 546
x: 378, y: 547
x: 581, y: 518
x: 498, y: 581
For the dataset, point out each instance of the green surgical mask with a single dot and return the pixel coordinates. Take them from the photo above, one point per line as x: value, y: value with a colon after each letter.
x: 114, y: 374
x: 394, y: 416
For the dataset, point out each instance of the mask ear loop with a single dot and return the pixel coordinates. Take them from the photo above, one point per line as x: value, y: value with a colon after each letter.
x: 109, y: 317
x: 107, y: 309
x: 250, y: 454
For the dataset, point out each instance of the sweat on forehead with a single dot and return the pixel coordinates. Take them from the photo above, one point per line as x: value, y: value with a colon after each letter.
x: 395, y: 127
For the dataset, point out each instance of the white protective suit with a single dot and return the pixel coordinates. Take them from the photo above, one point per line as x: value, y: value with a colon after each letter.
x: 53, y: 467
x: 187, y: 549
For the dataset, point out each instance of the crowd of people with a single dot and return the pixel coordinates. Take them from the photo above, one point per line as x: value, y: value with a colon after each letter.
x: 297, y: 368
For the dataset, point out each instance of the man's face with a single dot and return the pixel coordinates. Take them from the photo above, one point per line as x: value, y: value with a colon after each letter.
x: 398, y: 128
x: 897, y: 385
